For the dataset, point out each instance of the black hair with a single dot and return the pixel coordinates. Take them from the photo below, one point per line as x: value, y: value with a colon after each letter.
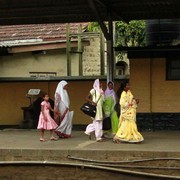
x: 121, y: 88
x: 110, y: 82
x: 44, y: 94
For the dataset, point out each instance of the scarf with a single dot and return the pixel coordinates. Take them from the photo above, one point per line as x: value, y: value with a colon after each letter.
x: 96, y: 86
x: 63, y: 93
x: 110, y: 92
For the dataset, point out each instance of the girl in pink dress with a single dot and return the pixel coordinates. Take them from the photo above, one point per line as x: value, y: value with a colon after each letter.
x: 45, y: 120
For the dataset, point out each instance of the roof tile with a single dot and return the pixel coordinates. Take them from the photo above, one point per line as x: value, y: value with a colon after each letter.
x: 38, y: 31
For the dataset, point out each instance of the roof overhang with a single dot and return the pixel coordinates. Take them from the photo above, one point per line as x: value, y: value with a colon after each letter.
x: 43, y: 46
x: 48, y: 11
x: 149, y: 52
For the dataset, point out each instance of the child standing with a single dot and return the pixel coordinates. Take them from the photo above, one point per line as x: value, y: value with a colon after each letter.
x: 45, y: 120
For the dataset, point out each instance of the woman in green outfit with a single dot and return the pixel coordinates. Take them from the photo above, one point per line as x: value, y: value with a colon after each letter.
x: 108, y: 107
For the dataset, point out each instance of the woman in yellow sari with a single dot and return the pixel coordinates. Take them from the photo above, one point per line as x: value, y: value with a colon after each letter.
x: 127, y: 131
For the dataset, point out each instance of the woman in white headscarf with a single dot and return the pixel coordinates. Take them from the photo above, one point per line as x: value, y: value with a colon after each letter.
x: 96, y: 94
x: 62, y: 105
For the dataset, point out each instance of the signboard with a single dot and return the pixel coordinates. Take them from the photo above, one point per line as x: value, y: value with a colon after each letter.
x: 34, y: 92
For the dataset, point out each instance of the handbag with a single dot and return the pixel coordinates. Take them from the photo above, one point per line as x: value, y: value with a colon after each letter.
x: 89, y: 109
x: 107, y: 123
x: 117, y: 109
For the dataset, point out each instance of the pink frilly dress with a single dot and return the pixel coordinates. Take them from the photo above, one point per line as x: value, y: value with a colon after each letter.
x: 48, y: 123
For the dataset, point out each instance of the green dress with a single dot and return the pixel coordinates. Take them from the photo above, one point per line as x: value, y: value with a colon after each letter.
x: 108, y: 108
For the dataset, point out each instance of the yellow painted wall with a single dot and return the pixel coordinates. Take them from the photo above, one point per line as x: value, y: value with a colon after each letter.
x: 13, y: 97
x: 149, y: 84
x: 140, y: 82
x: 165, y: 93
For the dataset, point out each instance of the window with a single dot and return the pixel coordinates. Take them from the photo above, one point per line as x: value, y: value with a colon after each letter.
x: 173, y: 68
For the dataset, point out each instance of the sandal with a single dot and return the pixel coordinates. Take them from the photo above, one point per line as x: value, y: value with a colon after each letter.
x: 53, y: 139
x: 101, y: 140
x: 89, y: 136
x: 42, y: 139
x: 116, y: 141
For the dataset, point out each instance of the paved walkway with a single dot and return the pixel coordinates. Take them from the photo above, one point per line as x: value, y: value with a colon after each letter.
x: 23, y: 146
x: 160, y: 141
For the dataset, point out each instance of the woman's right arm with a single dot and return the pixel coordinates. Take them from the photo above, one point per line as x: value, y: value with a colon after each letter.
x: 89, y: 99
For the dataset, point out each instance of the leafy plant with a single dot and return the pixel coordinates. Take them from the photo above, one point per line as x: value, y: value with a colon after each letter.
x: 132, y: 34
x: 94, y: 27
x: 129, y: 35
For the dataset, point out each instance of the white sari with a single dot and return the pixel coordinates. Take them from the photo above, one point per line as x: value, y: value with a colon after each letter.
x: 62, y: 105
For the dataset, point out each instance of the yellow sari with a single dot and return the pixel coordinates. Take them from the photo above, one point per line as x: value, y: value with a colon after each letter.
x: 128, y: 131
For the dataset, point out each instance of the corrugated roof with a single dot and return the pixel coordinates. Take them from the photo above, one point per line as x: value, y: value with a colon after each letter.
x: 62, y: 11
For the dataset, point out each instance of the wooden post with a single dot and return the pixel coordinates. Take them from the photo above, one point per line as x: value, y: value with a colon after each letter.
x: 110, y: 52
x: 80, y: 51
x: 68, y: 49
x: 102, y: 53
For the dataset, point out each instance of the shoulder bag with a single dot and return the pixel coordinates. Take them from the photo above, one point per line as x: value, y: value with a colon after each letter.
x: 89, y: 109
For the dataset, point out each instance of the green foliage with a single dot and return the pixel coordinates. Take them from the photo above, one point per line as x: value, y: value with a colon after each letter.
x: 93, y: 27
x: 132, y: 34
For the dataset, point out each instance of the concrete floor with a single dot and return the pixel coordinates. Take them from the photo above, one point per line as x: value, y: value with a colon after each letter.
x: 23, y: 146
x: 162, y: 141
